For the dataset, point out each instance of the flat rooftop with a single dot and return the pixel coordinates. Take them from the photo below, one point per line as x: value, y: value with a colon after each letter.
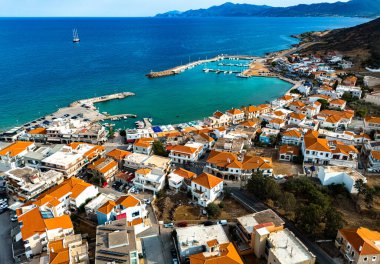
x: 354, y: 174
x: 195, y: 236
x: 287, y: 248
x: 266, y: 216
x: 115, y: 241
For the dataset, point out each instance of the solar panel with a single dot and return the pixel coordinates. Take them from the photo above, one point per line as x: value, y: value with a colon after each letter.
x: 110, y: 259
x: 112, y: 252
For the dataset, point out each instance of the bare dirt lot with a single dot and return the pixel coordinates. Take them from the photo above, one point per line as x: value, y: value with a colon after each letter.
x: 279, y: 167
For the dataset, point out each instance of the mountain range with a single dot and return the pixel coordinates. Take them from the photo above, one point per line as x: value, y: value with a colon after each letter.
x: 361, y: 43
x: 360, y: 8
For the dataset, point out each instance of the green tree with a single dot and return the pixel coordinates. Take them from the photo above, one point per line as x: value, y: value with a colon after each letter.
x: 368, y: 198
x: 123, y: 133
x: 324, y: 104
x: 360, y: 187
x: 213, y: 210
x: 308, y: 218
x: 271, y: 188
x: 159, y: 149
x: 334, y: 221
x: 288, y: 201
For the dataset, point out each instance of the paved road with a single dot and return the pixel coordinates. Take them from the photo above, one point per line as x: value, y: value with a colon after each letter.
x: 6, y: 255
x: 257, y: 206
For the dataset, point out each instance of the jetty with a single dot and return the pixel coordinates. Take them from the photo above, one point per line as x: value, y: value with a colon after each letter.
x: 179, y: 69
x: 182, y: 68
x: 91, y: 101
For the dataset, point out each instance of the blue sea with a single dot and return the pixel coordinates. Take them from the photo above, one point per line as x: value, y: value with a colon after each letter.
x: 42, y: 70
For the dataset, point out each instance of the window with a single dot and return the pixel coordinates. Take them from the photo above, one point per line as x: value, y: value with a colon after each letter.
x: 365, y: 259
x: 374, y: 258
x: 136, y: 214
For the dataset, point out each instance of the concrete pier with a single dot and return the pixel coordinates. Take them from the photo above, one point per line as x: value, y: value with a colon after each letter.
x: 102, y: 98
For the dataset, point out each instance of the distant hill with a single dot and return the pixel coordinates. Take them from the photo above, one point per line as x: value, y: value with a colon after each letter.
x: 361, y: 43
x: 362, y: 8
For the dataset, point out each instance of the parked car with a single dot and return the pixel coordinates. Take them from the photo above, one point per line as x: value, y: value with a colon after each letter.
x: 175, y: 261
x: 182, y: 224
x: 169, y: 225
x: 147, y: 201
x: 14, y: 218
x: 208, y: 223
x: 222, y: 222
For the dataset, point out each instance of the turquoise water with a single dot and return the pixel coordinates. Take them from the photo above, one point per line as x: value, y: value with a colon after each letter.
x: 41, y: 69
x: 194, y: 94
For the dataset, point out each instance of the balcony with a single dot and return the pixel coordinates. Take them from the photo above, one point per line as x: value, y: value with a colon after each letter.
x: 338, y: 243
x: 349, y: 257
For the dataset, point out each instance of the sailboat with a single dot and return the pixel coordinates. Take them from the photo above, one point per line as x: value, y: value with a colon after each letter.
x: 75, y: 36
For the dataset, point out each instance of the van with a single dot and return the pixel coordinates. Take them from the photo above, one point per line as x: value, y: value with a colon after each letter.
x: 222, y: 222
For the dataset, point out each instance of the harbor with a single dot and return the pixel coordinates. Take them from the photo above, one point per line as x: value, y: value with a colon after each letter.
x: 190, y: 65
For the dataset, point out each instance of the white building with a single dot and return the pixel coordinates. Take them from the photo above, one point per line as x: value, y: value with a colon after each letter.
x: 149, y: 179
x: 206, y: 188
x: 340, y: 175
x: 180, y: 178
x: 285, y: 248
x: 190, y: 152
x: 27, y: 183
x: 72, y: 158
x: 355, y: 91
x: 192, y: 240
x: 12, y: 155
x: 236, y: 115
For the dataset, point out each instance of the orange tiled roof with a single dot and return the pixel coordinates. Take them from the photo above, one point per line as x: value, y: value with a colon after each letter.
x: 143, y: 142
x: 256, y: 162
x: 107, y: 207
x: 251, y: 109
x: 375, y: 155
x: 218, y: 114
x: 143, y: 171
x: 227, y: 255
x: 212, y: 243
x: 297, y: 104
x: 15, y: 148
x: 128, y: 201
x: 223, y: 159
x: 103, y: 165
x: 61, y: 257
x: 184, y: 173
x: 235, y: 111
x: 277, y: 121
x: 38, y: 130
x: 184, y: 149
x: 362, y: 238
x: 32, y: 223
x: 292, y: 133
x: 63, y: 222
x: 287, y: 149
x: 315, y: 143
x: 338, y: 102
x: 298, y: 116
x: 118, y: 154
x: 372, y: 119
x: 207, y: 180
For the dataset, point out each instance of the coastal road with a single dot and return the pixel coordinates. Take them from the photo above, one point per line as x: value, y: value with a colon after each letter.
x: 257, y: 206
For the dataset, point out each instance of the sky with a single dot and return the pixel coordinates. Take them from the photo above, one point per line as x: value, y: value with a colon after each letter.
x: 119, y: 8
